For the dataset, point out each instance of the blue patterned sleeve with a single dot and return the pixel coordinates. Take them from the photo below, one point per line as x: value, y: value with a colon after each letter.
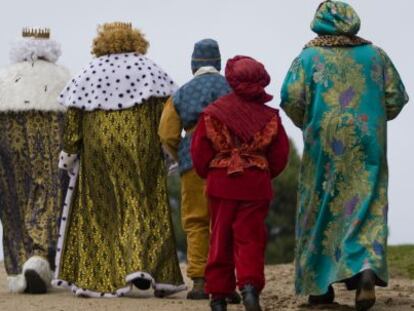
x: 293, y: 94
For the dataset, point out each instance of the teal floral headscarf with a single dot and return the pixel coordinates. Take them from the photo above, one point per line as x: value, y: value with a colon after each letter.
x: 336, y: 18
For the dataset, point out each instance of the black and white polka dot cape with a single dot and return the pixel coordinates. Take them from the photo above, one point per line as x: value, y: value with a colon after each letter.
x: 115, y: 82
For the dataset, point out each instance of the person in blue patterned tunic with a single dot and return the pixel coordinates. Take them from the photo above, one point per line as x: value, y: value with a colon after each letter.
x: 181, y: 112
x: 340, y: 92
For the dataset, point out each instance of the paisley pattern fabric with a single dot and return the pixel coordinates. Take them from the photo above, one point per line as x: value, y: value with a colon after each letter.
x: 120, y: 220
x: 30, y: 185
x: 237, y: 157
x: 341, y: 98
x: 189, y: 101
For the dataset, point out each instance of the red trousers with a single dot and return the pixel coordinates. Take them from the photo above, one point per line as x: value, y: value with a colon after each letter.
x: 237, y: 245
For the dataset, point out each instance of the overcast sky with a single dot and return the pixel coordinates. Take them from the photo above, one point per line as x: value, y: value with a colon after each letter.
x: 273, y: 31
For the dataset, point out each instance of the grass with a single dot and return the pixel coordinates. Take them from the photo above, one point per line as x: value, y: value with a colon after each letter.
x: 401, y: 261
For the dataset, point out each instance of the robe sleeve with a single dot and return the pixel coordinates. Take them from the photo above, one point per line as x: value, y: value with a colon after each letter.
x: 395, y: 94
x: 72, y: 137
x: 293, y: 94
x: 278, y: 152
x: 202, y: 151
x: 170, y: 129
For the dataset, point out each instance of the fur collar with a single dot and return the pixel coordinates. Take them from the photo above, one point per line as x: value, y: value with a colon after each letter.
x: 337, y: 41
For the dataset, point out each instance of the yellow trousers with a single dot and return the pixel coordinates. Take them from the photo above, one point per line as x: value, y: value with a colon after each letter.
x: 196, y: 222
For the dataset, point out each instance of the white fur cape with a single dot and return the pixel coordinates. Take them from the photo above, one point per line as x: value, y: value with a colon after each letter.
x: 116, y: 82
x: 32, y: 86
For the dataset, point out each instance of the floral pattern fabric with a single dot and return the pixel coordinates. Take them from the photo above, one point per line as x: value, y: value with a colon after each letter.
x: 341, y: 98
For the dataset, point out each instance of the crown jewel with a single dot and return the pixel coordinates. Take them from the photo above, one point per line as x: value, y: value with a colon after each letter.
x: 117, y: 25
x: 37, y: 33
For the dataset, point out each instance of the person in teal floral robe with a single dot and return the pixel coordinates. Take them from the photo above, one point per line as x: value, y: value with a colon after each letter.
x: 340, y: 92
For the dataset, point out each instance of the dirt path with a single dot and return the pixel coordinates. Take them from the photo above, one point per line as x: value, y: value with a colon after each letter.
x: 399, y: 296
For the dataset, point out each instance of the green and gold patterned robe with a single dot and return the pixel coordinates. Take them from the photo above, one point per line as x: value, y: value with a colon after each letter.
x: 341, y: 91
x: 116, y: 221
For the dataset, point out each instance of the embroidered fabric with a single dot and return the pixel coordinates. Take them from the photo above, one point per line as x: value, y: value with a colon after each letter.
x: 237, y: 157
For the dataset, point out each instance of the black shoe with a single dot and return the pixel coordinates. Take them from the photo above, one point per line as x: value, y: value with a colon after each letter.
x: 250, y: 298
x: 197, y: 295
x: 324, y: 299
x: 35, y: 284
x: 218, y: 305
x: 234, y: 299
x: 142, y: 283
x: 365, y: 295
x: 198, y: 292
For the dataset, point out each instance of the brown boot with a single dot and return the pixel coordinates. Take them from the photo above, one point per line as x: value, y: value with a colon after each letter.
x: 198, y: 292
x: 324, y: 299
x: 365, y: 295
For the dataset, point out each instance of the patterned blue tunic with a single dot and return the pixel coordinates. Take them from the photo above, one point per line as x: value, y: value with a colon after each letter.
x: 189, y: 102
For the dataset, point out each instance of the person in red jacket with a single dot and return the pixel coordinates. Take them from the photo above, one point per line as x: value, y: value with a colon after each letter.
x: 239, y: 145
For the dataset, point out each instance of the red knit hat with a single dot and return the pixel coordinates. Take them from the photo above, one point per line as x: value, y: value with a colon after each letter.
x: 248, y: 78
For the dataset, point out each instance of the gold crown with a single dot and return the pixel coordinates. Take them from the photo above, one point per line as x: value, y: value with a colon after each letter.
x: 39, y: 33
x: 117, y: 26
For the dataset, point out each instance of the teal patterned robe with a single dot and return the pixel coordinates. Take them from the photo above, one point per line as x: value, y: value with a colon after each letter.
x: 341, y: 98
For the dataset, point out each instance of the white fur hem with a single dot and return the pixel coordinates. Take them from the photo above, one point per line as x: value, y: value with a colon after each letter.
x: 67, y: 161
x: 82, y: 292
x: 168, y: 289
x: 41, y: 266
x: 143, y: 275
x: 17, y: 284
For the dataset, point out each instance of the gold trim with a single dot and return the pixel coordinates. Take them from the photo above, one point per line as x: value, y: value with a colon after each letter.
x: 36, y: 33
x: 117, y: 26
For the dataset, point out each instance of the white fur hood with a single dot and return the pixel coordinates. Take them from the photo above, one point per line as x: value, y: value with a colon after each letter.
x: 32, y: 86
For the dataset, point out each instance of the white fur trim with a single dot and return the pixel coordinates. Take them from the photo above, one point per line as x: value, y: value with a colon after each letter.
x: 67, y: 161
x: 41, y: 266
x: 116, y: 82
x: 30, y: 50
x: 17, y: 284
x: 139, y: 274
x: 32, y: 86
x: 168, y: 289
x: 206, y: 69
x: 73, y: 174
x: 81, y: 292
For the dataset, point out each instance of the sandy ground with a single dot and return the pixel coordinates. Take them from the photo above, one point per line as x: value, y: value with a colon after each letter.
x: 399, y: 296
